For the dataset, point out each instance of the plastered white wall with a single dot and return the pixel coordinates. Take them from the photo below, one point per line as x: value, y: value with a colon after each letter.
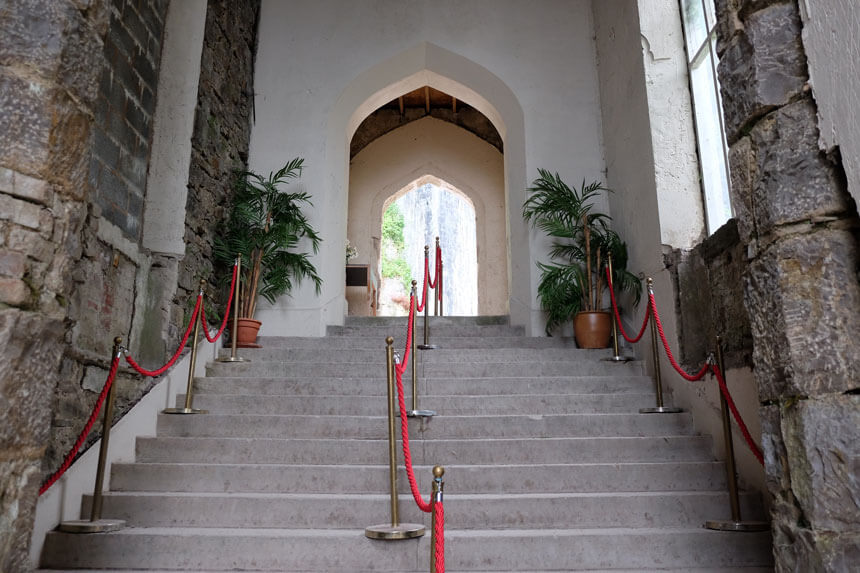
x: 831, y: 37
x: 178, y: 79
x: 433, y: 147
x: 323, y: 65
x: 652, y: 166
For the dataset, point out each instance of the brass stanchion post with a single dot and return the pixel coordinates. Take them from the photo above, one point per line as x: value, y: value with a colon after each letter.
x: 394, y: 530
x: 616, y: 355
x: 437, y: 289
x: 427, y: 345
x: 415, y: 412
x: 189, y: 396
x: 439, y: 286
x: 735, y: 523
x: 660, y: 408
x: 235, y: 329
x: 96, y: 524
x: 438, y: 487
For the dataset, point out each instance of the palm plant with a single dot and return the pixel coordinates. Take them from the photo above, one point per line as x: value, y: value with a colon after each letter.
x: 576, y: 279
x: 265, y: 228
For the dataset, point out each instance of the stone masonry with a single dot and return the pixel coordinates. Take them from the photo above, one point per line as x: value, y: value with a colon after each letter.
x: 799, y: 228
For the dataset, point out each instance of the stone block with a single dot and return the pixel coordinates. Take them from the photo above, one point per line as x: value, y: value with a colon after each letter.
x: 822, y: 440
x: 25, y: 123
x: 19, y: 483
x: 14, y: 292
x: 12, y: 264
x: 25, y: 187
x: 20, y: 212
x: 70, y: 147
x: 763, y: 67
x: 81, y: 59
x: 804, y: 550
x: 790, y: 179
x: 30, y: 243
x: 743, y: 172
x: 32, y: 33
x: 803, y: 300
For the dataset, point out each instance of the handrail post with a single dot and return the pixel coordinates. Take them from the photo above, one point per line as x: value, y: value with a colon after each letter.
x: 394, y: 530
x: 438, y: 487
x: 415, y: 412
x: 439, y: 286
x: 735, y: 523
x: 660, y: 408
x: 234, y: 331
x: 189, y: 390
x: 96, y: 524
x: 437, y: 289
x: 616, y: 355
x: 426, y: 345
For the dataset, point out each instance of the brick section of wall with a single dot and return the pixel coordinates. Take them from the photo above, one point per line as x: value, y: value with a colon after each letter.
x: 222, y: 133
x: 124, y: 111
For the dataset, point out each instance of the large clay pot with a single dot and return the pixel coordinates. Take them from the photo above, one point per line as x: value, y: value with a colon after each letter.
x: 246, y: 333
x: 592, y: 329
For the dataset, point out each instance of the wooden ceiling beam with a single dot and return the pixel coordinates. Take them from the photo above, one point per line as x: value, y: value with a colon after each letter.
x: 400, y: 101
x: 427, y: 98
x: 454, y: 104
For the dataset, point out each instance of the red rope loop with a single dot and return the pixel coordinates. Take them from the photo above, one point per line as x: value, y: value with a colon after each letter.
x: 439, y: 533
x: 737, y: 415
x: 170, y: 362
x: 618, y: 316
x: 438, y: 263
x: 67, y: 460
x: 215, y: 338
x: 690, y: 377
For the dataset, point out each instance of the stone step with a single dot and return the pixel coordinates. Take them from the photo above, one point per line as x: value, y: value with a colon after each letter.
x: 443, y: 342
x: 438, y: 427
x: 429, y: 452
x: 473, y: 478
x: 307, y: 386
x: 440, y: 329
x: 464, y: 511
x: 225, y: 549
x: 376, y: 369
x: 447, y: 320
x: 377, y: 355
x: 538, y: 404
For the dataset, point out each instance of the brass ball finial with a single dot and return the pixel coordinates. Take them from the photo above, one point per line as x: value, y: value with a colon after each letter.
x: 389, y: 340
x: 426, y: 249
x: 438, y: 471
x: 202, y: 282
x: 414, y: 282
x: 650, y: 281
x: 117, y: 340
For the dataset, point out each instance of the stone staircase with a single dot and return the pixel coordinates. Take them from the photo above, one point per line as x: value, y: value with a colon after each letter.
x: 549, y: 467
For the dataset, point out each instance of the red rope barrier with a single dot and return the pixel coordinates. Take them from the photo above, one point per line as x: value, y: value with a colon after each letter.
x: 439, y: 533
x: 737, y: 415
x: 618, y: 316
x: 691, y: 377
x: 438, y: 255
x: 215, y: 338
x: 67, y: 460
x: 170, y: 362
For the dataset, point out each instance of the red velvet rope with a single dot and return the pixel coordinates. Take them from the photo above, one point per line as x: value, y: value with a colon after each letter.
x: 439, y: 533
x: 691, y: 377
x: 618, y: 316
x: 436, y: 271
x: 170, y: 362
x: 737, y: 415
x: 226, y: 311
x: 67, y: 460
x: 420, y: 307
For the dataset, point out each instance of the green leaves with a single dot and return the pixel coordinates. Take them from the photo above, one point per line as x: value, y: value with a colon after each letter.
x: 265, y: 229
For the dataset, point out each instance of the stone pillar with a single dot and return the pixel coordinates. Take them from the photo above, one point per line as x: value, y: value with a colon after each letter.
x: 50, y: 59
x: 799, y: 227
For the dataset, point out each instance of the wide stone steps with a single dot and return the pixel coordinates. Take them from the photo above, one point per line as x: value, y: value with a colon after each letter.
x: 472, y: 478
x: 549, y: 465
x: 281, y: 549
x: 467, y: 511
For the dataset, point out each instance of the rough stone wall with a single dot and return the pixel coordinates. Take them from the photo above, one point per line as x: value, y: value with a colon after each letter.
x: 709, y: 289
x: 105, y: 291
x: 50, y: 59
x: 222, y: 132
x: 799, y: 228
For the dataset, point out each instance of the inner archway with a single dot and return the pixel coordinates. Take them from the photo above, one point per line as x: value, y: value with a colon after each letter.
x: 412, y: 218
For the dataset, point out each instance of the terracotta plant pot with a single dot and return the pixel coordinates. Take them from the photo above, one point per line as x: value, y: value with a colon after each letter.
x: 592, y: 329
x: 246, y: 333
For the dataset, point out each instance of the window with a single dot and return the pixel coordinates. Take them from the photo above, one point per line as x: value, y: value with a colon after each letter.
x: 701, y: 41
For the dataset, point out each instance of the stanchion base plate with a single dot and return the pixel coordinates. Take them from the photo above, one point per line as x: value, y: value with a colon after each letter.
x: 231, y: 359
x: 87, y: 526
x: 426, y: 347
x: 729, y: 525
x: 184, y: 411
x: 617, y: 359
x: 390, y: 532
x: 420, y: 413
x: 661, y: 410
